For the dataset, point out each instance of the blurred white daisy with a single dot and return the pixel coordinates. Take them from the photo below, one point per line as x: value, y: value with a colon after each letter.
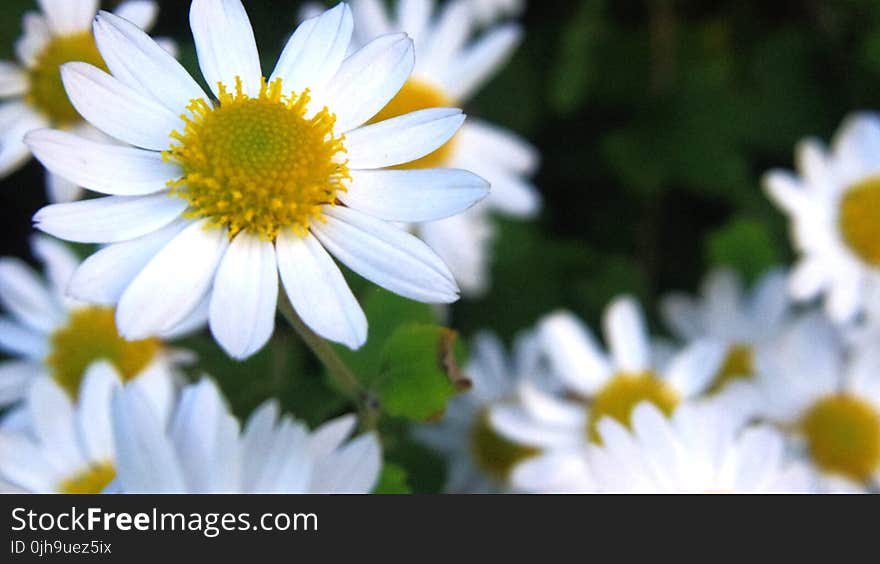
x: 70, y: 448
x: 57, y: 337
x: 701, y: 449
x: 204, y: 450
x: 216, y: 198
x: 31, y: 91
x: 593, y: 384
x: 828, y: 398
x: 479, y: 460
x: 834, y: 207
x: 450, y: 68
x: 743, y: 321
x: 490, y: 11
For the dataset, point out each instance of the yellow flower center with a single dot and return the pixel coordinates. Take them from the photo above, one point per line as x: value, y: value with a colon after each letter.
x: 738, y: 365
x: 623, y: 392
x: 46, y: 92
x: 90, y: 481
x: 414, y: 96
x: 859, y: 220
x: 494, y: 454
x: 89, y: 336
x: 843, y: 434
x: 258, y: 164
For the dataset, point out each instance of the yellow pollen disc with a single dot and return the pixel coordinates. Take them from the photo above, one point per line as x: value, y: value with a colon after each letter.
x: 258, y: 164
x: 89, y: 336
x: 859, y: 220
x: 738, y: 365
x: 843, y: 434
x: 46, y: 92
x: 418, y: 95
x: 494, y: 454
x: 90, y: 481
x: 623, y: 392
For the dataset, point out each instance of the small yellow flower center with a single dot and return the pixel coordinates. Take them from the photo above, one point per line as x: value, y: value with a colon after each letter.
x: 859, y: 220
x: 46, y: 92
x: 494, y: 454
x: 414, y: 96
x: 258, y: 164
x: 90, y: 481
x: 738, y: 365
x: 623, y: 392
x: 89, y: 336
x: 843, y: 434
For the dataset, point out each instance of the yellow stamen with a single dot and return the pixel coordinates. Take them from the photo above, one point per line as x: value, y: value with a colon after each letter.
x: 494, y: 454
x: 93, y: 480
x: 843, y: 434
x: 90, y: 335
x: 859, y: 220
x: 258, y: 164
x: 623, y: 392
x: 418, y: 95
x: 46, y: 92
x: 738, y: 365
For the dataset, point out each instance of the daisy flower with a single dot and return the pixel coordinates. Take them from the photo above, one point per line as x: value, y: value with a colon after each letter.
x: 57, y: 337
x: 31, y: 91
x: 217, y: 197
x: 70, y: 448
x: 479, y: 459
x: 449, y: 70
x: 593, y: 385
x: 833, y: 205
x: 827, y: 397
x: 741, y: 320
x: 204, y: 450
x: 700, y: 449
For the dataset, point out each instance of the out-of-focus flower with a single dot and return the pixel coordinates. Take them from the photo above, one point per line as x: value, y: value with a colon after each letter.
x: 828, y: 398
x: 214, y: 200
x: 834, y: 207
x: 58, y: 337
x: 449, y: 70
x: 490, y: 11
x: 204, y: 450
x: 479, y: 460
x: 701, y: 449
x: 593, y: 385
x: 70, y: 448
x: 741, y: 321
x: 31, y: 90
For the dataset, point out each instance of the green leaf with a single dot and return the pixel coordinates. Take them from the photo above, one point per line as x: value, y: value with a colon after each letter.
x: 392, y: 480
x: 745, y: 244
x: 419, y: 372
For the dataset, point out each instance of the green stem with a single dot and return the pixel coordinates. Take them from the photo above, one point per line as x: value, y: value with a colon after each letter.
x: 336, y: 367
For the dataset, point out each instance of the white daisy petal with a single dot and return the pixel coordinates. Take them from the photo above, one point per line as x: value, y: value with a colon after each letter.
x: 315, y: 50
x: 35, y: 38
x: 141, y: 64
x: 59, y: 190
x: 142, y: 13
x: 692, y: 370
x: 15, y: 378
x: 23, y: 463
x: 117, y: 109
x: 59, y: 260
x: 627, y: 337
x: 69, y: 16
x: 102, y: 167
x: 452, y: 30
x: 401, y: 139
x: 352, y: 469
x: 93, y: 420
x: 368, y: 80
x: 16, y: 120
x: 18, y: 340
x: 386, y: 255
x: 481, y: 60
x: 25, y: 296
x: 245, y: 295
x: 413, y: 195
x: 330, y: 436
x: 372, y: 20
x: 103, y: 277
x: 109, y: 219
x: 52, y: 416
x: 225, y: 45
x: 172, y: 284
x: 318, y: 291
x: 13, y: 80
x: 573, y: 352
x: 499, y: 145
x: 511, y: 194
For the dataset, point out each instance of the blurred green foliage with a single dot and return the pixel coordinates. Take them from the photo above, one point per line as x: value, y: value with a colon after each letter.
x: 655, y: 120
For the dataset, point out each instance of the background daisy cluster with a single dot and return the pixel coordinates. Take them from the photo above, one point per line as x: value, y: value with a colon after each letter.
x: 672, y: 285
